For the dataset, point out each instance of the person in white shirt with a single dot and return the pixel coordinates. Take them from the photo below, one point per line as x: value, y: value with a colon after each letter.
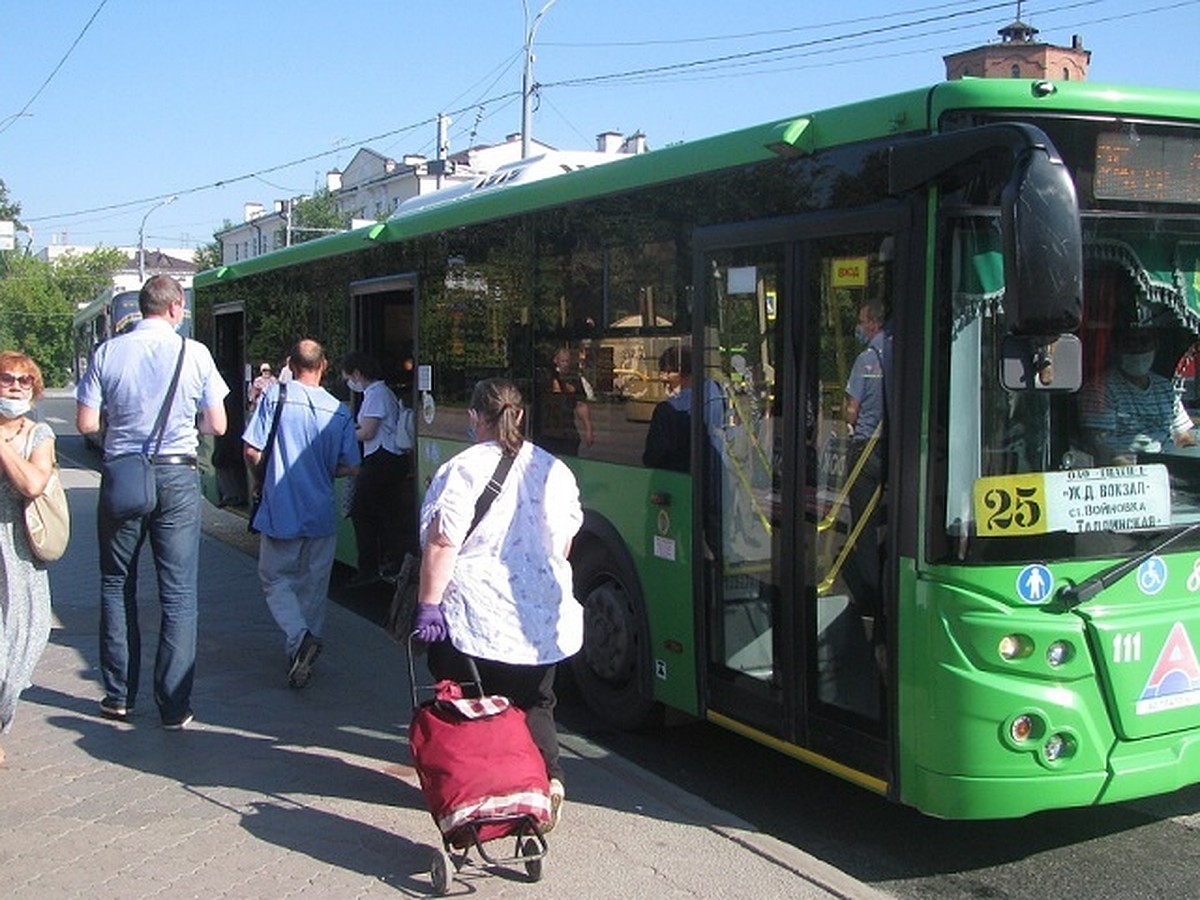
x: 499, y: 590
x: 376, y: 508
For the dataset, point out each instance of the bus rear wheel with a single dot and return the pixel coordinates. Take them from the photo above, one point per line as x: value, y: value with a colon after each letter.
x: 612, y: 666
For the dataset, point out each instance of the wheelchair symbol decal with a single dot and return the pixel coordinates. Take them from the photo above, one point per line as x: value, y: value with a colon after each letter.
x: 1152, y: 575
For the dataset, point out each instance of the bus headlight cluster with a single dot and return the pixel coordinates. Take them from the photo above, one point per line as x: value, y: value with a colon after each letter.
x: 1030, y: 732
x: 1019, y: 646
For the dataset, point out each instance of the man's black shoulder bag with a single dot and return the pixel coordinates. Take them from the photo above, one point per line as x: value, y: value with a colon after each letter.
x: 260, y: 470
x: 127, y: 488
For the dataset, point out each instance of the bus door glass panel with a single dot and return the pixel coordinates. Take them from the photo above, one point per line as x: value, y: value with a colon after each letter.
x: 384, y: 327
x: 229, y: 341
x: 848, y: 348
x: 740, y: 378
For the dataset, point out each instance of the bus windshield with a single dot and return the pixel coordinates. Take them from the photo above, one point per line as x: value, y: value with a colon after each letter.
x: 1122, y: 455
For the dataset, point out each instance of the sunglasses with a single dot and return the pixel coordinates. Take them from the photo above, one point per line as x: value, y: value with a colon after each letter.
x: 7, y: 378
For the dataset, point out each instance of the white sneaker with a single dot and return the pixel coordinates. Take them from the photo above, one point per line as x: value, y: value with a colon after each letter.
x: 557, y: 794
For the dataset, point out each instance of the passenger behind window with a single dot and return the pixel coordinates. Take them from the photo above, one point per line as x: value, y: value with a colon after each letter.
x: 560, y: 408
x: 668, y: 442
x: 1130, y: 409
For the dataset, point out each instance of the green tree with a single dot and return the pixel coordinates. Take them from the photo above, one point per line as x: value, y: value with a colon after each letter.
x: 38, y: 301
x: 35, y: 316
x: 316, y: 216
x: 209, y: 256
x: 82, y: 277
x: 10, y: 210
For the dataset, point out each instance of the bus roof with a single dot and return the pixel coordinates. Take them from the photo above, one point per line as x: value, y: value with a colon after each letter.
x: 911, y: 112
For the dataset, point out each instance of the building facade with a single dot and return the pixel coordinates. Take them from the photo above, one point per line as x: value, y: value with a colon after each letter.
x: 1019, y: 55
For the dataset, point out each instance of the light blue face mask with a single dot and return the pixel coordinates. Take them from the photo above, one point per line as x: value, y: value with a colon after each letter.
x: 1137, y: 365
x: 860, y: 333
x: 12, y: 409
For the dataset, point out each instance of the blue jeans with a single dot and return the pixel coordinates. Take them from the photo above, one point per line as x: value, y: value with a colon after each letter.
x: 174, y: 531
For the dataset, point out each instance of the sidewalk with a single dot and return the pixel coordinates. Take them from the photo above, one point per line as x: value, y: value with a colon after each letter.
x: 275, y: 792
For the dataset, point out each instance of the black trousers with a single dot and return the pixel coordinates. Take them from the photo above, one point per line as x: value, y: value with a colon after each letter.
x: 865, y: 572
x: 530, y: 688
x: 380, y: 518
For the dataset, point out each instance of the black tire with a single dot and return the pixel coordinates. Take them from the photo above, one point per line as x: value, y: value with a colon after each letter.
x: 614, y: 663
x: 440, y: 867
x: 533, y: 867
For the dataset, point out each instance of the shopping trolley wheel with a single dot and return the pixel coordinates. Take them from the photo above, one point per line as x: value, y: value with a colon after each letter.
x: 440, y: 869
x: 533, y: 867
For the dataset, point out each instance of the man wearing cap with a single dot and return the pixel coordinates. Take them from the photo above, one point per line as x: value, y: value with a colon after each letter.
x: 259, y: 385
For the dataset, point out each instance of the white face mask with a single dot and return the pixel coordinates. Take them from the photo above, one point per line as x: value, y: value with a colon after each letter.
x: 12, y: 409
x: 1137, y: 365
x: 355, y: 385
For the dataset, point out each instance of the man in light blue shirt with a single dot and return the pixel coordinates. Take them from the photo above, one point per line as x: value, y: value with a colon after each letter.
x: 126, y: 380
x: 314, y: 443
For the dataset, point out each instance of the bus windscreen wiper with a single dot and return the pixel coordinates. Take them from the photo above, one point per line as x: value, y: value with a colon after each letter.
x: 1073, y: 595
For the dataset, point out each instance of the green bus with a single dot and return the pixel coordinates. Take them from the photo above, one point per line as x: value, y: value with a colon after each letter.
x: 978, y: 607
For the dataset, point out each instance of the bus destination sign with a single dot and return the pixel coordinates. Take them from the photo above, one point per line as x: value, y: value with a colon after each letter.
x: 1157, y: 168
x: 1116, y: 498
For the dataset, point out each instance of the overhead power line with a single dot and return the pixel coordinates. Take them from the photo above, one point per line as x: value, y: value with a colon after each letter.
x: 8, y: 122
x: 697, y: 69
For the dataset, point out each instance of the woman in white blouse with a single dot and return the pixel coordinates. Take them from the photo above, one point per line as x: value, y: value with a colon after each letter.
x: 501, y: 592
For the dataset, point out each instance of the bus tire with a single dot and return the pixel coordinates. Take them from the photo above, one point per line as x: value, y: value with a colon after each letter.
x: 611, y: 671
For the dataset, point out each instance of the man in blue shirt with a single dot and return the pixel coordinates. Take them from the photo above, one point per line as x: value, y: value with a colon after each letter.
x: 314, y: 443
x: 865, y: 414
x: 126, y: 380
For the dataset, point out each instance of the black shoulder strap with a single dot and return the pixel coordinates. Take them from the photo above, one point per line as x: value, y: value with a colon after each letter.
x: 491, y: 491
x: 160, y: 426
x: 266, y: 453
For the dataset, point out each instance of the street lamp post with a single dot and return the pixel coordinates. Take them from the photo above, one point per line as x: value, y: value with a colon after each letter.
x: 142, y: 237
x: 527, y: 81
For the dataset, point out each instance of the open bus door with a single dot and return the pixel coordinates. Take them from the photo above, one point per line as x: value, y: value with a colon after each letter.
x: 229, y: 354
x: 792, y: 611
x: 383, y: 324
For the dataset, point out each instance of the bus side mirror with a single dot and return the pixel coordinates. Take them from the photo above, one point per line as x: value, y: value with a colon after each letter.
x: 1052, y: 363
x: 1043, y: 259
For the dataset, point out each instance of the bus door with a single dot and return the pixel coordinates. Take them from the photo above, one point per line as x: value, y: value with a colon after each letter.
x: 791, y: 499
x: 743, y: 421
x: 383, y: 324
x: 229, y: 354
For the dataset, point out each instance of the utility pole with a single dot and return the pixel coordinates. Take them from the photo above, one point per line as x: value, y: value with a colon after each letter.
x: 443, y: 145
x: 527, y: 81
x: 142, y: 237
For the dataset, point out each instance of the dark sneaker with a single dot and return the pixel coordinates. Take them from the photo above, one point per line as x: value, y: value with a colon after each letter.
x: 111, y: 709
x: 180, y: 724
x: 302, y: 662
x: 557, y: 795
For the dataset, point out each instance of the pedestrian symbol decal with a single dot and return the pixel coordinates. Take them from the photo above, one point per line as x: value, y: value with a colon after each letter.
x: 1174, y: 681
x: 1035, y: 584
x: 1152, y: 575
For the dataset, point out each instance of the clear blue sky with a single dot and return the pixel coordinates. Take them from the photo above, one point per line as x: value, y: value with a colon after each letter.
x: 113, y: 105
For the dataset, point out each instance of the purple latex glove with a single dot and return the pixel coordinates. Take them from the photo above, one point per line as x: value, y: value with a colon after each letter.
x: 429, y: 625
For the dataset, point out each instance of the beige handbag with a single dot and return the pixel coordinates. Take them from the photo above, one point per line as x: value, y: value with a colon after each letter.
x: 47, y: 519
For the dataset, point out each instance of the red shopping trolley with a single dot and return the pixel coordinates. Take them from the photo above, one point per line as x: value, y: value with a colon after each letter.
x: 482, y: 776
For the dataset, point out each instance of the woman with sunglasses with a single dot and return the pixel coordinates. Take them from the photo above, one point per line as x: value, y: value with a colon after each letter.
x: 26, y: 461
